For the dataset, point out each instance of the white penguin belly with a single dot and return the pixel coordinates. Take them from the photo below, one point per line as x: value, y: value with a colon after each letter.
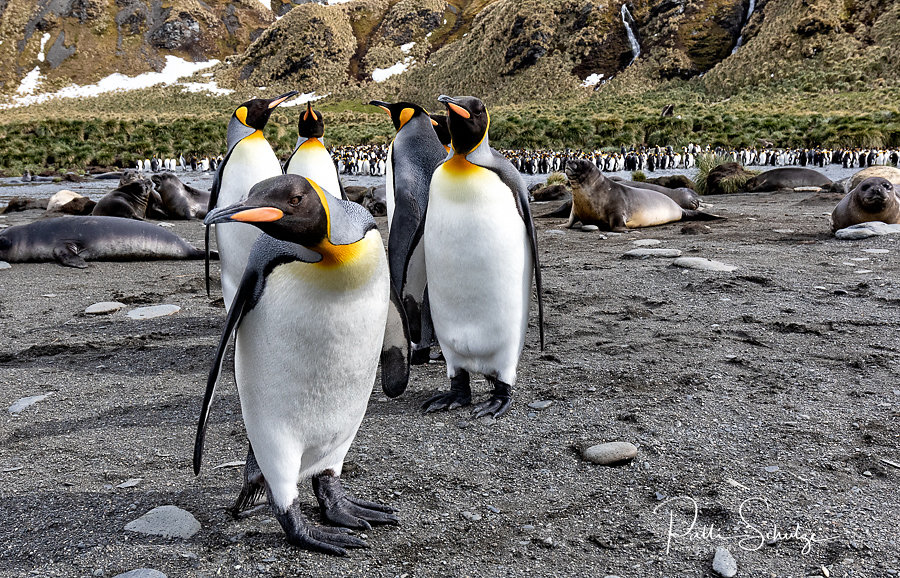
x: 479, y: 269
x: 314, y: 163
x: 305, y: 363
x: 251, y: 161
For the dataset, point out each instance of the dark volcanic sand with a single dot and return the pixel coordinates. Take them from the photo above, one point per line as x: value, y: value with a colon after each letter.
x: 790, y: 361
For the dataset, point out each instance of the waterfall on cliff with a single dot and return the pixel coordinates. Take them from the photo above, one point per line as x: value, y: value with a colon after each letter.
x: 632, y: 39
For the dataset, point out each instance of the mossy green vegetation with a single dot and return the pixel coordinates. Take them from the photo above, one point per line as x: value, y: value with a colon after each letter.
x: 117, y: 129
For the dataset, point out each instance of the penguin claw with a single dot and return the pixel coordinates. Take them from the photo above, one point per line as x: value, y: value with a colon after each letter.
x: 448, y: 401
x: 322, y: 540
x: 300, y: 533
x: 339, y: 508
x: 495, y: 407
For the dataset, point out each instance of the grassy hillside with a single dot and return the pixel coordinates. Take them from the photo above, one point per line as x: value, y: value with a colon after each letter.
x: 809, y: 73
x: 69, y: 135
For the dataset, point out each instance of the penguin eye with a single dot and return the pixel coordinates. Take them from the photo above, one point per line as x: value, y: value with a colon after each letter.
x: 295, y: 201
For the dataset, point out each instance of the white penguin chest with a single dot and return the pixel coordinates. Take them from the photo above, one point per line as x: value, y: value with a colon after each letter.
x: 313, y: 340
x: 477, y: 253
x: 313, y: 162
x: 252, y: 160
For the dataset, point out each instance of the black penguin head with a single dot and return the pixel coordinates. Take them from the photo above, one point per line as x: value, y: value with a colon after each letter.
x: 255, y: 113
x: 288, y: 207
x: 441, y: 127
x: 310, y: 124
x: 468, y: 121
x: 874, y: 194
x: 400, y: 112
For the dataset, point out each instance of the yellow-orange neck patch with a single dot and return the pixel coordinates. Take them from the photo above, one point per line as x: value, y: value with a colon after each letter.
x: 312, y: 143
x: 241, y: 115
x: 458, y: 165
x: 405, y: 115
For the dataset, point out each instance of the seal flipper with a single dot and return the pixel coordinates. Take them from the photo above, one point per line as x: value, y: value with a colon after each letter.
x: 689, y: 215
x: 67, y: 256
x: 395, y: 349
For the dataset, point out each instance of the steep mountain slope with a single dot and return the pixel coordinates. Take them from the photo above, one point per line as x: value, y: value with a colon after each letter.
x: 508, y: 51
x: 83, y: 40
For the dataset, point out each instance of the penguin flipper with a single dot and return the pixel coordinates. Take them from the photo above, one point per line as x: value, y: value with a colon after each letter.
x: 395, y: 349
x: 243, y: 302
x: 512, y: 179
x: 213, y: 199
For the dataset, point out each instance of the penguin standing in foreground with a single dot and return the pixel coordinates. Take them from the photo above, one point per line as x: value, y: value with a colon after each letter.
x: 249, y: 160
x: 313, y: 312
x: 480, y: 251
x: 310, y: 157
x: 413, y: 156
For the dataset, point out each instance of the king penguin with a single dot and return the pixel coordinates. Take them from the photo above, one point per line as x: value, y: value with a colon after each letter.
x: 480, y: 254
x: 412, y: 158
x: 442, y: 129
x: 249, y: 160
x: 310, y: 157
x: 313, y: 314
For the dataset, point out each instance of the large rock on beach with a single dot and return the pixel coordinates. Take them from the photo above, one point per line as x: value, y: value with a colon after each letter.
x: 890, y: 173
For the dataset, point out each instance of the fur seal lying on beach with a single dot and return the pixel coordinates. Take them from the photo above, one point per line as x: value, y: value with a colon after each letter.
x: 613, y: 206
x: 70, y: 241
x: 128, y: 201
x: 787, y: 178
x: 874, y: 199
x: 179, y: 201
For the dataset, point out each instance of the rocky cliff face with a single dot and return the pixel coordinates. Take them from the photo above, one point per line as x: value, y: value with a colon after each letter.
x: 510, y: 49
x: 507, y: 50
x: 82, y: 41
x: 819, y: 45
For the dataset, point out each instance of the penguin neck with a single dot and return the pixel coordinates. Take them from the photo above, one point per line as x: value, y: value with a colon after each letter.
x: 310, y: 143
x: 238, y: 132
x: 462, y: 162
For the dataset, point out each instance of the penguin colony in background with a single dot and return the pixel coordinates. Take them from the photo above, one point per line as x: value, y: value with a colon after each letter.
x: 313, y: 303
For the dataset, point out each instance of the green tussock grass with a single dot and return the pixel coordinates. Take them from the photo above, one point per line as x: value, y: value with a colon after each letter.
x: 729, y: 185
x: 638, y: 176
x: 117, y: 129
x: 557, y: 178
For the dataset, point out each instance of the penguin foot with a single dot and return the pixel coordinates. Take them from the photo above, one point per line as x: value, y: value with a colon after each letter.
x: 253, y: 488
x: 460, y: 394
x: 448, y: 401
x: 499, y: 402
x: 341, y: 509
x: 419, y: 355
x: 323, y: 539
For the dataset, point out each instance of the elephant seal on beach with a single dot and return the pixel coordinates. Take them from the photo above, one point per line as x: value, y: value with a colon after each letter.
x: 613, y: 206
x: 128, y: 201
x: 787, y: 178
x: 874, y: 199
x: 70, y: 241
x: 179, y: 201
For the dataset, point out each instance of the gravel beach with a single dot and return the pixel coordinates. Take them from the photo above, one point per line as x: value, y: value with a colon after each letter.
x: 764, y: 404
